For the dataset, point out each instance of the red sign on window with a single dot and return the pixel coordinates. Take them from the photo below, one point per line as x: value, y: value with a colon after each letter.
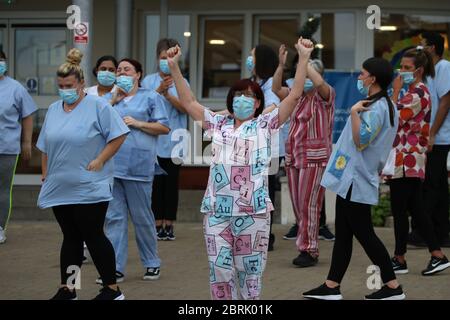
x: 81, y: 33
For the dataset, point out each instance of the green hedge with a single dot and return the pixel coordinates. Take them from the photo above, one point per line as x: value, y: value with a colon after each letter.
x: 381, y: 211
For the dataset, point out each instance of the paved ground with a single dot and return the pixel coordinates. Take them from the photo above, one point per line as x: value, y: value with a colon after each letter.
x: 29, y: 268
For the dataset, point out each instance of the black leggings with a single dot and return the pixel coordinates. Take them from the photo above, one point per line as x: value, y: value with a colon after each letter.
x: 165, y: 191
x: 353, y: 218
x: 407, y: 195
x: 323, y: 215
x: 272, y: 189
x: 84, y: 222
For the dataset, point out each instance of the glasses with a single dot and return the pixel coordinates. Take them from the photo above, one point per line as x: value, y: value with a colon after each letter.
x: 247, y: 94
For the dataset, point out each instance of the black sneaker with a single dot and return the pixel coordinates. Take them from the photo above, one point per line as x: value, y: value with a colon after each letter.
x: 436, y: 265
x: 325, y: 234
x: 292, y: 233
x: 399, y: 268
x: 305, y: 260
x: 152, y: 274
x: 324, y: 292
x: 161, y: 233
x: 169, y: 233
x: 65, y: 294
x: 415, y: 240
x: 271, y: 242
x: 386, y: 293
x: 119, y: 278
x: 106, y: 293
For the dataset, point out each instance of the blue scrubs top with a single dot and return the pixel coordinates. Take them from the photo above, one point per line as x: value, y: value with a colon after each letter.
x: 136, y: 158
x: 71, y: 141
x: 177, y: 120
x: 439, y: 86
x: 15, y: 104
x: 361, y: 168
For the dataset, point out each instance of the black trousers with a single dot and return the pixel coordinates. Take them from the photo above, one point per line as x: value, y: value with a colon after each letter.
x: 355, y: 219
x: 272, y: 190
x: 323, y: 215
x: 435, y: 192
x: 407, y: 195
x: 84, y: 222
x: 165, y: 191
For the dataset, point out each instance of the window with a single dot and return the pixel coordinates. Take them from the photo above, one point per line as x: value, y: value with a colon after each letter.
x: 37, y: 55
x: 336, y: 38
x: 2, y: 38
x: 274, y: 32
x: 179, y: 29
x: 222, y: 42
x: 38, y: 52
x: 399, y: 31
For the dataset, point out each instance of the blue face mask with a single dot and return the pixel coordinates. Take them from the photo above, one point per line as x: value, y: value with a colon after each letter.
x: 363, y: 90
x: 407, y: 76
x: 3, y: 68
x: 164, y: 66
x: 125, y: 83
x: 309, y: 85
x: 106, y: 78
x: 69, y: 96
x: 249, y: 63
x: 243, y: 107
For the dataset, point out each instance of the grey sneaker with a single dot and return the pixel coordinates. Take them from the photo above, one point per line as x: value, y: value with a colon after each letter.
x: 152, y: 274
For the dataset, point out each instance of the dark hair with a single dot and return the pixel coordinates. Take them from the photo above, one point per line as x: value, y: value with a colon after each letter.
x: 164, y: 45
x: 266, y: 61
x: 422, y: 58
x: 2, y: 55
x: 242, y: 85
x: 434, y: 39
x: 137, y: 66
x: 103, y: 59
x: 383, y: 72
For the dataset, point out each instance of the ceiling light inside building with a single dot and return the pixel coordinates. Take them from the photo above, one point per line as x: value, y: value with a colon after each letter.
x: 217, y: 42
x: 388, y: 28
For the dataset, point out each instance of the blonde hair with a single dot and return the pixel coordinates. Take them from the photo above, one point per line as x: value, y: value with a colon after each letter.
x: 72, y: 65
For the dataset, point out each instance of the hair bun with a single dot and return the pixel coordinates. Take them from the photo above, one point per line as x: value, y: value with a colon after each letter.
x: 74, y: 57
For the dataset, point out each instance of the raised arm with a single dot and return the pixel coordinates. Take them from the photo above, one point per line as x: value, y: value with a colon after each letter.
x: 304, y: 48
x: 277, y: 88
x: 189, y: 103
x: 319, y: 83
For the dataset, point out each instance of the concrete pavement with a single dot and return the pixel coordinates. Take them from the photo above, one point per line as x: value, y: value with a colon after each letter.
x: 29, y: 269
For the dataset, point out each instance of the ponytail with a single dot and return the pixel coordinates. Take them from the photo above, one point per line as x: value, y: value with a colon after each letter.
x: 383, y: 94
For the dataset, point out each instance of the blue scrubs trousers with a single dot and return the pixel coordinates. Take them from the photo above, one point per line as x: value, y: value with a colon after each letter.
x: 132, y: 197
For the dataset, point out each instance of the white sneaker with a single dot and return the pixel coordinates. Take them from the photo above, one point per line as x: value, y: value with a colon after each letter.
x: 2, y: 235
